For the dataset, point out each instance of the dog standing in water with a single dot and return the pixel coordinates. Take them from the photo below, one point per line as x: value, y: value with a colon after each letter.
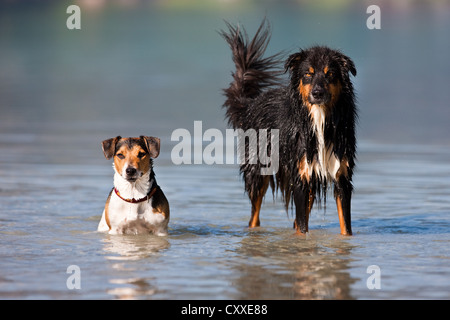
x: 315, y: 114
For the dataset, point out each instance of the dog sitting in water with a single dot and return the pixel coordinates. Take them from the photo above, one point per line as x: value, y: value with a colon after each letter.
x: 315, y: 115
x: 136, y: 204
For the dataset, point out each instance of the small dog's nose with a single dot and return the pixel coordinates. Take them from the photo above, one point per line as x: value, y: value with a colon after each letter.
x: 130, y: 171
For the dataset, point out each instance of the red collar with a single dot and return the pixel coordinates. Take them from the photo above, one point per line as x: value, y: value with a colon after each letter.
x: 133, y: 200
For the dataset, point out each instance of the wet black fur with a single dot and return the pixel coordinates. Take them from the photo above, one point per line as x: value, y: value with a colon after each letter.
x: 258, y: 99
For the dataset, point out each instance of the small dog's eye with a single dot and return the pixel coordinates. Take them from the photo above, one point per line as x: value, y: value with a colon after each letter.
x: 141, y: 155
x: 120, y: 156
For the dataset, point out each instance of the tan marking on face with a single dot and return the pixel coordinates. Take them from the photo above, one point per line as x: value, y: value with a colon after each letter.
x: 335, y: 90
x: 134, y: 157
x: 304, y: 92
x: 311, y: 70
x: 325, y: 70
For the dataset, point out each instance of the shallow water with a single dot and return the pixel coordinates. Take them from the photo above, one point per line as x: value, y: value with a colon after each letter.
x: 138, y: 70
x: 400, y: 222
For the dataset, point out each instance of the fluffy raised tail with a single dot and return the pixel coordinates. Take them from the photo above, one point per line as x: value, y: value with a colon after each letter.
x: 253, y: 72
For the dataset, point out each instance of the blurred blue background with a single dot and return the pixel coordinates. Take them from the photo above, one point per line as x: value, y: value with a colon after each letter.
x: 149, y: 67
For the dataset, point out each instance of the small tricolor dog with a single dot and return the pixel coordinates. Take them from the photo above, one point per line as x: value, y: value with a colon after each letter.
x: 136, y: 204
x: 315, y: 114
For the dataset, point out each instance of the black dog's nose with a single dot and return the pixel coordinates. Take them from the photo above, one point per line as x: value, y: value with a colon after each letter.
x: 130, y: 171
x: 318, y: 92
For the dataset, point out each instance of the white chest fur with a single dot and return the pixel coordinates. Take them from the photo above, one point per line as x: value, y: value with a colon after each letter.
x: 133, y: 218
x: 326, y: 164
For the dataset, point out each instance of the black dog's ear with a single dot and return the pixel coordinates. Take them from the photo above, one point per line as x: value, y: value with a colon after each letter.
x: 153, y: 145
x: 294, y: 60
x: 348, y: 64
x: 109, y: 147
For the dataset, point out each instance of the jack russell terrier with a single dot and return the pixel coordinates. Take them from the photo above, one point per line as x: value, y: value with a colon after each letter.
x: 136, y: 204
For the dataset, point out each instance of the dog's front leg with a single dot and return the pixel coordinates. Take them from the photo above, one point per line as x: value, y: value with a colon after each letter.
x: 343, y: 193
x: 303, y: 204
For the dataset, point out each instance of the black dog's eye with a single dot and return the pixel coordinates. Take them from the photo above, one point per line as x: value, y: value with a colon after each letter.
x: 120, y: 156
x: 141, y: 155
x: 307, y: 77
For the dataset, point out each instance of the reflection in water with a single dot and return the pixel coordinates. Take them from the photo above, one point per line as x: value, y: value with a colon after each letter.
x: 133, y: 247
x: 138, y: 288
x: 285, y: 268
x: 122, y: 250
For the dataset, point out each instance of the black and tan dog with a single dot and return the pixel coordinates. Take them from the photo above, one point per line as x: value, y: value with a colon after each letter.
x: 136, y: 204
x: 315, y: 115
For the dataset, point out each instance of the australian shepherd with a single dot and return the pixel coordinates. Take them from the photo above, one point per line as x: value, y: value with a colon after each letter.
x: 315, y: 114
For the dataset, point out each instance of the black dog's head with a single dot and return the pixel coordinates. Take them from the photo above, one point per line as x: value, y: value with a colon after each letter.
x: 320, y: 74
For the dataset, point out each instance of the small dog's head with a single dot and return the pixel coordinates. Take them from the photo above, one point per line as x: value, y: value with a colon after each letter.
x: 132, y: 156
x: 319, y: 74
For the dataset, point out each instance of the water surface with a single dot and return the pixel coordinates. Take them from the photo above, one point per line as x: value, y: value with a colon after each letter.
x: 400, y: 223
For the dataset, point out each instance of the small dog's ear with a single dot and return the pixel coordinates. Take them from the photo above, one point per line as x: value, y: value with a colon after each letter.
x: 293, y: 61
x: 153, y: 145
x: 109, y: 147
